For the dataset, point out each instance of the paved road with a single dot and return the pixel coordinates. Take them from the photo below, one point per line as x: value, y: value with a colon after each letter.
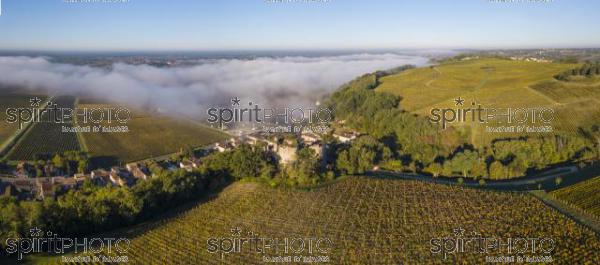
x: 526, y: 183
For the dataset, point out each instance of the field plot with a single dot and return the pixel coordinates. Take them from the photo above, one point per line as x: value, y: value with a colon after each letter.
x: 369, y: 221
x: 12, y: 99
x: 584, y: 195
x: 497, y: 83
x: 148, y: 136
x: 46, y: 137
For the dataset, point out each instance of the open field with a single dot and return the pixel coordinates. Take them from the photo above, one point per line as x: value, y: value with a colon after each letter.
x: 584, y: 195
x: 497, y: 83
x: 12, y: 99
x: 148, y: 136
x: 46, y: 137
x: 369, y: 221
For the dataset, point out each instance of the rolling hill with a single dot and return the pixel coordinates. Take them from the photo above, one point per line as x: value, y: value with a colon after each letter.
x: 497, y: 83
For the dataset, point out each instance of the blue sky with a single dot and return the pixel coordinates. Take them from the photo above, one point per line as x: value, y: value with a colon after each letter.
x: 256, y: 24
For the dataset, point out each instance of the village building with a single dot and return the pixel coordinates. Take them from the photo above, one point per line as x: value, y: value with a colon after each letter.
x: 24, y: 185
x: 120, y: 177
x: 138, y: 171
x: 224, y: 146
x: 65, y: 182
x: 23, y: 170
x: 45, y: 189
x: 100, y: 177
x: 187, y: 165
x: 346, y: 137
x: 310, y: 138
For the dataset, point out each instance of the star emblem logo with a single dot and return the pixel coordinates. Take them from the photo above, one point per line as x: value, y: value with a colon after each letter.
x: 235, y: 101
x: 35, y: 102
x: 459, y: 101
x: 35, y: 232
x: 459, y: 231
x: 236, y: 231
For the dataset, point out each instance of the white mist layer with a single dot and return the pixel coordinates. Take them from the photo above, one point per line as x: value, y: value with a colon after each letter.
x: 190, y: 90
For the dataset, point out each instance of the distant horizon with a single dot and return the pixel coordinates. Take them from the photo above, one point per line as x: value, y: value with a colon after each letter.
x: 299, y: 52
x: 233, y: 25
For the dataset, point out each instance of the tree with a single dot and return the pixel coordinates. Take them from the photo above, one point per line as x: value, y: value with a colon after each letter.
x: 497, y: 170
x: 245, y: 162
x: 363, y: 154
x: 435, y: 169
x: 59, y: 162
x: 479, y: 170
x: 517, y: 167
x: 82, y: 165
x: 306, y: 167
x: 463, y: 162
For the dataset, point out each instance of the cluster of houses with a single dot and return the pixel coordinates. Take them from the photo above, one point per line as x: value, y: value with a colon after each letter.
x: 530, y: 59
x: 24, y: 185
x: 514, y: 58
x: 285, y: 146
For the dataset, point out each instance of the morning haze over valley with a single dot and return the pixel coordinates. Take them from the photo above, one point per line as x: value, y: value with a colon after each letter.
x: 296, y: 132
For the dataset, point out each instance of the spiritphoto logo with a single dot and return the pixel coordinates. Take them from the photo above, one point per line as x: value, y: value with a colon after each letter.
x: 94, y: 249
x: 475, y: 112
x: 51, y: 112
x: 254, y: 113
x: 497, y: 249
x: 272, y: 249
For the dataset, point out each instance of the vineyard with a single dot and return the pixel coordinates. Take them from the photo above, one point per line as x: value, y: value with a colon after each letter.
x: 149, y: 135
x: 11, y: 99
x: 46, y: 137
x: 584, y: 195
x: 369, y: 221
x: 496, y: 83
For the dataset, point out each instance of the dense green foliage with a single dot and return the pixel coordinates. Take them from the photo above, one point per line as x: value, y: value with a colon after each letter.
x: 587, y: 70
x: 378, y: 115
x: 411, y: 143
x: 362, y: 155
x: 94, y: 208
x: 245, y: 162
x: 67, y: 163
x: 305, y: 171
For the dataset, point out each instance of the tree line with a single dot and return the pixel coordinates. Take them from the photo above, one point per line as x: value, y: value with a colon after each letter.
x: 586, y: 70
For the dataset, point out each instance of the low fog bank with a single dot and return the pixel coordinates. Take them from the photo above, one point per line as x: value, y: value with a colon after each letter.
x: 190, y: 90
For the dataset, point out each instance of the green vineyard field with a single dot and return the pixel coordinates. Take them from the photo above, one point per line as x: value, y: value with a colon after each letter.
x: 584, y: 195
x: 46, y: 137
x: 369, y: 221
